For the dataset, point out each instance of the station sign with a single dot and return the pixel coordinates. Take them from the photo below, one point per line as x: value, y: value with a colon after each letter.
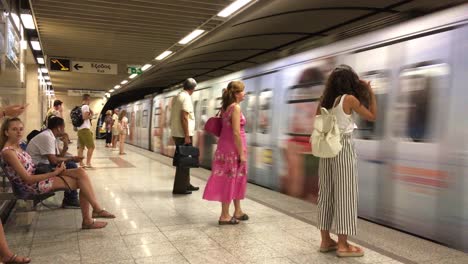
x: 93, y: 67
x: 57, y: 64
x: 132, y: 69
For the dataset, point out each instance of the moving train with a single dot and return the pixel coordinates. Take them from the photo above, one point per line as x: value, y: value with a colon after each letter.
x: 413, y: 162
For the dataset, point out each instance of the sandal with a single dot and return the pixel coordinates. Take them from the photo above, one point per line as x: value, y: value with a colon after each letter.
x: 328, y: 249
x: 243, y: 217
x: 94, y: 225
x: 103, y: 214
x: 352, y: 251
x: 16, y: 259
x: 233, y: 221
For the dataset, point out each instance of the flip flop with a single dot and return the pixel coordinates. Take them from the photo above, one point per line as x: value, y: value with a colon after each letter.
x: 101, y: 215
x: 14, y: 260
x: 328, y: 249
x: 93, y: 225
x: 352, y: 252
x: 243, y: 217
x: 233, y: 221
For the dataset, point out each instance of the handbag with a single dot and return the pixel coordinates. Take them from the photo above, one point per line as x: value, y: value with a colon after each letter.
x: 214, y: 125
x: 325, y: 138
x: 186, y: 156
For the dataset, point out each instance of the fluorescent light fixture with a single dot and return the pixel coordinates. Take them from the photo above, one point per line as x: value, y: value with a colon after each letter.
x: 28, y: 21
x: 39, y: 77
x: 124, y: 82
x: 111, y: 90
x: 133, y: 76
x: 191, y: 36
x: 35, y: 45
x: 145, y: 67
x: 46, y: 77
x: 49, y: 83
x: 117, y: 87
x: 164, y: 55
x: 233, y: 8
x: 44, y: 70
x: 40, y: 60
x: 108, y: 95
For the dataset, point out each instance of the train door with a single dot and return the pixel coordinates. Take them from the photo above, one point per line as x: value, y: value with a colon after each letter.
x: 419, y: 165
x: 264, y: 145
x: 137, y: 137
x: 204, y: 140
x: 157, y: 124
x: 167, y: 141
x: 249, y: 108
x: 196, y: 112
x: 368, y: 136
x: 145, y: 124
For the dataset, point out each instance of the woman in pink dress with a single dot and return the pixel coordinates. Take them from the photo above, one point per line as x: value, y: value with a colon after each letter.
x: 228, y: 179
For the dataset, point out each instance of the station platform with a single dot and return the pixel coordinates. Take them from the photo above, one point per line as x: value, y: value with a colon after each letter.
x: 154, y: 226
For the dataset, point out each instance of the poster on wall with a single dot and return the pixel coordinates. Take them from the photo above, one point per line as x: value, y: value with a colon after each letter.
x: 2, y: 42
x: 13, y: 47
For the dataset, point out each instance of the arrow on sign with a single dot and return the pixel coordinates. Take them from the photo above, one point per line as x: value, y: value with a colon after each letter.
x: 77, y: 66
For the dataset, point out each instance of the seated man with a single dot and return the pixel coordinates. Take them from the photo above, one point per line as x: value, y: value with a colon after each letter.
x: 46, y: 155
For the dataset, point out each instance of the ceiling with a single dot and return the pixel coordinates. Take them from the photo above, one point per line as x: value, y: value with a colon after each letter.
x: 136, y: 31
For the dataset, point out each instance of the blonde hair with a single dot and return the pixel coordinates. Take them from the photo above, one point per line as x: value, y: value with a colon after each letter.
x: 122, y: 114
x: 229, y: 94
x: 5, y: 127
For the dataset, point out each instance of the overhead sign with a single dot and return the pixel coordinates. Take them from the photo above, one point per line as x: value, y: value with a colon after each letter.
x: 132, y: 69
x: 82, y: 92
x: 93, y: 67
x: 59, y: 64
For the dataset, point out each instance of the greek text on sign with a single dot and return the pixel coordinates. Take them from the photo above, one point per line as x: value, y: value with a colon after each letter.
x: 94, y: 67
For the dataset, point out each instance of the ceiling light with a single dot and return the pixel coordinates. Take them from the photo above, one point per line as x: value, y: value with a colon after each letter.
x: 49, y: 83
x: 133, y: 76
x: 164, y: 55
x: 46, y: 77
x: 233, y: 8
x: 108, y: 95
x: 39, y: 77
x: 117, y: 87
x: 24, y: 45
x: 191, y: 36
x: 35, y: 45
x: 28, y: 21
x: 124, y: 82
x: 44, y: 70
x: 111, y: 90
x: 40, y: 60
x: 145, y: 67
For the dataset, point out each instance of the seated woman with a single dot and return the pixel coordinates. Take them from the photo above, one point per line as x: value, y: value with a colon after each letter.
x: 20, y: 166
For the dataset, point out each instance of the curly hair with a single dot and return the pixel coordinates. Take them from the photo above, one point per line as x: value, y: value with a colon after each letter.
x: 344, y: 80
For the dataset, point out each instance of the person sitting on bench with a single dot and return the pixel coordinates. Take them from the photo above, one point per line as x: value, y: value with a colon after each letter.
x: 20, y: 168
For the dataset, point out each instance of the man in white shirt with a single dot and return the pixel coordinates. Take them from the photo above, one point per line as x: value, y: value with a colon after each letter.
x: 46, y: 155
x: 85, y: 135
x: 115, y: 128
x: 182, y: 130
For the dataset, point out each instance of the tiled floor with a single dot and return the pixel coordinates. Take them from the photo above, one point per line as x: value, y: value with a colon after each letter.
x: 153, y: 226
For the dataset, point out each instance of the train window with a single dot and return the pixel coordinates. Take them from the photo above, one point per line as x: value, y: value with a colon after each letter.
x: 374, y: 130
x: 144, y: 119
x: 303, y: 100
x: 218, y: 103
x: 418, y: 94
x: 248, y: 107
x: 138, y: 118
x: 264, y: 114
x: 156, y: 117
x: 197, y: 115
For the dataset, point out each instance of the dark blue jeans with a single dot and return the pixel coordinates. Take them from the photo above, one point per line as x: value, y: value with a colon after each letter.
x: 44, y: 168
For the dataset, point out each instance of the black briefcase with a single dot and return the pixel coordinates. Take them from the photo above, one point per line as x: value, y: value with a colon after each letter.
x: 186, y: 156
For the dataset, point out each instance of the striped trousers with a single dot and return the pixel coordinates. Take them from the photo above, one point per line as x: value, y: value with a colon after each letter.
x: 338, y: 190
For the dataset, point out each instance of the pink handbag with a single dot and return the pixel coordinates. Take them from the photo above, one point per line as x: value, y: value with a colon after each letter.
x: 214, y: 125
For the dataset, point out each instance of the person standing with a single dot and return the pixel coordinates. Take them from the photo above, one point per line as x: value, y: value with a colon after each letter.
x: 344, y: 95
x: 108, y: 125
x: 46, y: 155
x: 228, y: 180
x: 55, y: 110
x: 182, y: 130
x: 85, y: 135
x: 115, y: 128
x: 123, y: 128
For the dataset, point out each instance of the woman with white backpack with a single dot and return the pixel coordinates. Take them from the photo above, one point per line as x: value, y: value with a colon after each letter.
x: 344, y: 95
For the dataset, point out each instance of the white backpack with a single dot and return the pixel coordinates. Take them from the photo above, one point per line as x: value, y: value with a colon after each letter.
x: 325, y: 138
